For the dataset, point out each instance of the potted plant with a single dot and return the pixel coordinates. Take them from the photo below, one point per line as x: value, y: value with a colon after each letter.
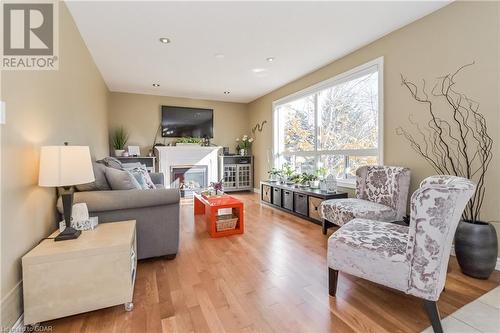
x: 322, y: 173
x: 119, y: 141
x: 305, y: 179
x: 458, y: 143
x: 244, y: 145
x: 188, y: 141
x: 295, y: 178
x: 313, y: 180
x: 217, y: 187
x: 274, y: 174
x: 287, y: 172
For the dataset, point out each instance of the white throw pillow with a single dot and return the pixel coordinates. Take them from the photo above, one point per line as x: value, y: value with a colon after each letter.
x: 149, y: 185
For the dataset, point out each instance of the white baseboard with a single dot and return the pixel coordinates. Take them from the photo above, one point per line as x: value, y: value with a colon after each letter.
x: 497, y: 266
x: 18, y: 325
x: 256, y: 190
x: 11, y: 307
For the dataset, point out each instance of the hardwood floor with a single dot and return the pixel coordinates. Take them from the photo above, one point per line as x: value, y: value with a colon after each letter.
x: 272, y: 278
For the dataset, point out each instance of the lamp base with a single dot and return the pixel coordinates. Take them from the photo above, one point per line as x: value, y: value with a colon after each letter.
x: 68, y: 233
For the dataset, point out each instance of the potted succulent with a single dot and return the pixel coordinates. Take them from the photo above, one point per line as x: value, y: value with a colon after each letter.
x: 287, y: 172
x: 456, y: 141
x: 244, y: 145
x: 119, y: 140
x: 274, y: 174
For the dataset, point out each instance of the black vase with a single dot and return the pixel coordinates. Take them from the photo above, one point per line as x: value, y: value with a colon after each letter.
x: 476, y: 247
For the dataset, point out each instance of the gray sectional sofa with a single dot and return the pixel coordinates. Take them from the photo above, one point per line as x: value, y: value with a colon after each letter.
x: 156, y: 212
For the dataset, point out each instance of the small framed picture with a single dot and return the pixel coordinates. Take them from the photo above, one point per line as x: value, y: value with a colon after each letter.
x: 134, y: 151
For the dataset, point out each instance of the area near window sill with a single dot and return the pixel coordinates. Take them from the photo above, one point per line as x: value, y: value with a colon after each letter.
x: 346, y: 183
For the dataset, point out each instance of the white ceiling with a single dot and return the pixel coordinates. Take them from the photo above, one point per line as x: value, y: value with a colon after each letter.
x: 122, y: 37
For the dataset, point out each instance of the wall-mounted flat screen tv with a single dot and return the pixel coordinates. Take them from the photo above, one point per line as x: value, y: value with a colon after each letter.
x: 177, y: 121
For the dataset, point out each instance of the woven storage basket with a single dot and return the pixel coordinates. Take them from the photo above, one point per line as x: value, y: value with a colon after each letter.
x: 226, y: 222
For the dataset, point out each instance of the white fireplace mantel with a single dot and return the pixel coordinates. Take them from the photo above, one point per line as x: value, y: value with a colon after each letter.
x: 175, y: 156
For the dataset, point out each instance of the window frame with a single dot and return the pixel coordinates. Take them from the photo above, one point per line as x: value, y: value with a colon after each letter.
x: 351, y: 74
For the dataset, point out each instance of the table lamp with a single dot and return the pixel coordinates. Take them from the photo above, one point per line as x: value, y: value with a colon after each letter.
x: 65, y: 166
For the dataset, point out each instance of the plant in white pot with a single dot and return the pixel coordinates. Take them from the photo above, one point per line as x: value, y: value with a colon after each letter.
x: 455, y: 141
x: 119, y: 140
x: 244, y: 145
x: 287, y: 172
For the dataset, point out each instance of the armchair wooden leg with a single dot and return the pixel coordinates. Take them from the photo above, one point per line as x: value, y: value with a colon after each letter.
x: 433, y: 313
x: 333, y: 276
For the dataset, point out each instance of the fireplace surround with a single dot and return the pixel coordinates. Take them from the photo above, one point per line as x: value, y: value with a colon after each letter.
x: 169, y: 156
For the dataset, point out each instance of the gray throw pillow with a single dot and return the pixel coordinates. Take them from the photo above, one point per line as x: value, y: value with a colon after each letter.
x: 121, y: 180
x: 132, y: 165
x: 99, y: 184
x: 111, y: 162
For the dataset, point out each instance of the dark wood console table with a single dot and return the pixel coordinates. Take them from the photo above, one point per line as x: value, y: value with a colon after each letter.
x: 302, y: 202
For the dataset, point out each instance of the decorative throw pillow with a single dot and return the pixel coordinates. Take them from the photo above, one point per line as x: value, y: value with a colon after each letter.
x: 99, y: 184
x: 111, y: 162
x: 144, y: 174
x: 132, y: 165
x: 140, y: 179
x: 121, y: 180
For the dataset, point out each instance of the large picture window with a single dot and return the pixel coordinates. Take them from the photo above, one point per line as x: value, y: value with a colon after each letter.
x: 335, y: 124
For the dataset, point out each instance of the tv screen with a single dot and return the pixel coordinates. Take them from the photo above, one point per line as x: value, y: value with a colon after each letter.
x: 177, y: 121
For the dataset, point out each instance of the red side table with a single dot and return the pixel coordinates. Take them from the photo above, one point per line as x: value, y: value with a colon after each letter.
x: 210, y: 206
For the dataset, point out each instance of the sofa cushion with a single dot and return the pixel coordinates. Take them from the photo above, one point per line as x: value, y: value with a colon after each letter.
x: 100, y: 183
x: 121, y: 180
x: 373, y: 250
x: 341, y: 211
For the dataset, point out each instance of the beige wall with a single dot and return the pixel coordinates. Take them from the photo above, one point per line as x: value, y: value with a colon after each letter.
x: 43, y: 108
x: 140, y: 115
x: 434, y: 45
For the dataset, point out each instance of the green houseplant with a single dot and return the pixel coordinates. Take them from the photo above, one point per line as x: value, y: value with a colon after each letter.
x: 295, y: 178
x: 314, y: 180
x: 119, y: 140
x: 455, y: 141
x: 274, y: 174
x: 287, y: 172
x: 187, y: 140
x: 308, y: 179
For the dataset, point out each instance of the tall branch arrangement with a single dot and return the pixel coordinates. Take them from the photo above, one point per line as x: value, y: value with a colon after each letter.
x: 454, y: 141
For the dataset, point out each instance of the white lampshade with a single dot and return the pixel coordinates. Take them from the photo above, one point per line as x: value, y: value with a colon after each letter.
x: 65, y: 166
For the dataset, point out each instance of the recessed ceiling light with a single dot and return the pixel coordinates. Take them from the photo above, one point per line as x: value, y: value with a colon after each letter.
x: 165, y: 40
x: 227, y: 92
x: 219, y: 56
x: 259, y: 70
x: 270, y: 59
x: 156, y: 85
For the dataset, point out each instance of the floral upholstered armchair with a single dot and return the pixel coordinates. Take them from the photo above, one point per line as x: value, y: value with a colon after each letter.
x: 411, y: 259
x: 381, y: 194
